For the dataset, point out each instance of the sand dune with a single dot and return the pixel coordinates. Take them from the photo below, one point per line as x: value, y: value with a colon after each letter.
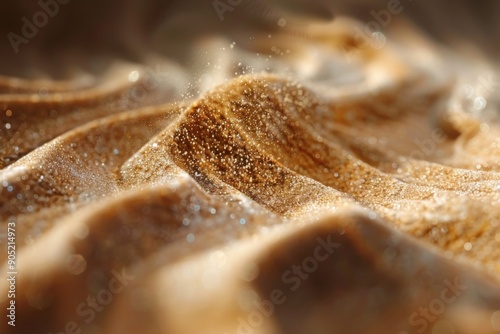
x: 348, y: 189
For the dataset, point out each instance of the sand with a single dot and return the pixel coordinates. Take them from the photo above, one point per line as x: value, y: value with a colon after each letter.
x: 348, y: 189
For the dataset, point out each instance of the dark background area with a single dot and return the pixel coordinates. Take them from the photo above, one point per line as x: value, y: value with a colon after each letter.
x: 83, y: 30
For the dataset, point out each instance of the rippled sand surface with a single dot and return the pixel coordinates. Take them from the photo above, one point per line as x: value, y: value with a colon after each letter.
x: 305, y: 184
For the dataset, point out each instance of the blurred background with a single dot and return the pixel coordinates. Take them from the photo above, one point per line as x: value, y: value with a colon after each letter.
x: 87, y: 34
